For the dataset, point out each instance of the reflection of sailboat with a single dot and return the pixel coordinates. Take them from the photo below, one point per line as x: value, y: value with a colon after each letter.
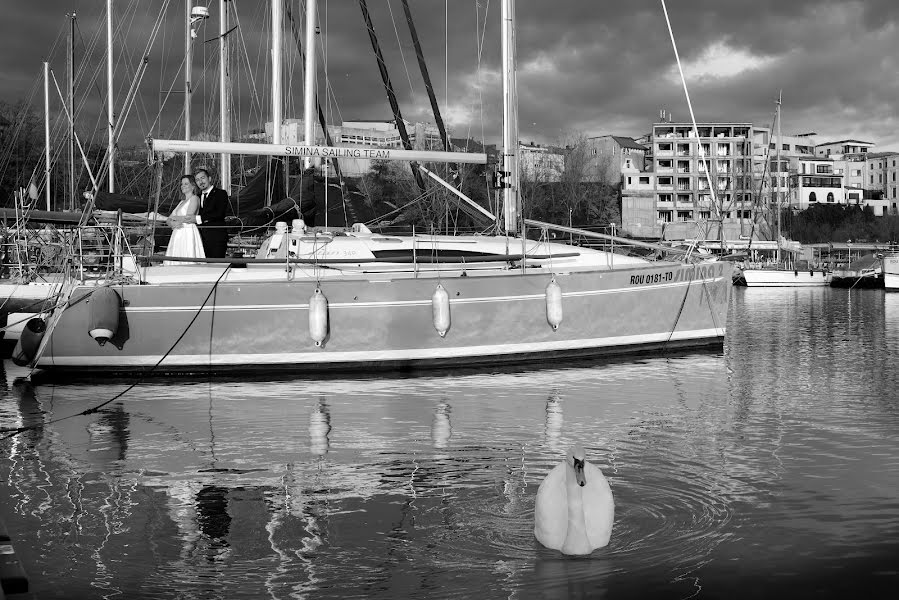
x: 319, y: 428
x: 367, y: 300
x: 554, y: 419
x: 441, y: 428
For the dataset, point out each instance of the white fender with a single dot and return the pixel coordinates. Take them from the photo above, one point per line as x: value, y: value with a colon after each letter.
x: 554, y: 304
x: 440, y: 308
x: 318, y: 317
x: 104, y: 314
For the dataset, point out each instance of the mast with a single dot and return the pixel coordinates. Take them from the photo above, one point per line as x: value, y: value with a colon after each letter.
x: 70, y: 101
x: 224, y: 96
x: 187, y: 75
x: 777, y: 162
x: 310, y: 80
x: 47, y: 133
x: 110, y: 116
x: 277, y: 27
x: 510, y: 121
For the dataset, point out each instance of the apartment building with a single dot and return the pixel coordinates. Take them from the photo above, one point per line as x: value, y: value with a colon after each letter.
x: 684, y: 173
x: 815, y: 182
x: 843, y: 147
x: 881, y: 182
x: 613, y: 155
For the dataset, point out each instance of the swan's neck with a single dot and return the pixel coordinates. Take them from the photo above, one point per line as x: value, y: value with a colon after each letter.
x: 576, y: 537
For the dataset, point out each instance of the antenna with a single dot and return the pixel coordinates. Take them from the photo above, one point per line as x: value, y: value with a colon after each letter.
x: 197, y: 14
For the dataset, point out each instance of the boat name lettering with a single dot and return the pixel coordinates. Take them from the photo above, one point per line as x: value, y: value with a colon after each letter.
x: 326, y: 152
x: 698, y: 272
x: 650, y: 278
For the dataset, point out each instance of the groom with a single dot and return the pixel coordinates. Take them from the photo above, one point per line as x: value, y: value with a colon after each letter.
x: 211, y: 215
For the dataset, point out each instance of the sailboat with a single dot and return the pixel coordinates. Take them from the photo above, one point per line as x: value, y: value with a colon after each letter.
x: 316, y: 300
x: 784, y: 272
x: 891, y: 271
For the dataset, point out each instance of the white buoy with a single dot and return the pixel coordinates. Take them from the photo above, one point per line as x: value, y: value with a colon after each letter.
x: 441, y: 310
x: 318, y: 317
x: 554, y: 304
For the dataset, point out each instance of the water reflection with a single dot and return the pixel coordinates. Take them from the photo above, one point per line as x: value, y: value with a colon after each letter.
x: 392, y: 488
x: 441, y: 428
x: 319, y: 428
x: 552, y: 429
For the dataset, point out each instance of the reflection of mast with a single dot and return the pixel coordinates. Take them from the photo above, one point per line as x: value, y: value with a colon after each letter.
x: 441, y: 428
x: 319, y: 428
x: 554, y: 420
x: 777, y: 177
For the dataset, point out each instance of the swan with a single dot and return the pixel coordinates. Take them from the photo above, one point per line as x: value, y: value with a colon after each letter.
x: 574, y: 509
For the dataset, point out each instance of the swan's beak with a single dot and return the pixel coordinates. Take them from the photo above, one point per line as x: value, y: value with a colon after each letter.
x: 579, y: 472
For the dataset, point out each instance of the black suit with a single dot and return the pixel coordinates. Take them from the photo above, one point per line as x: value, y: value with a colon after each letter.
x: 212, y: 222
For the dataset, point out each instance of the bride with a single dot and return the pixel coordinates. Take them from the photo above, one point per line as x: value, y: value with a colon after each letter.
x: 185, y: 240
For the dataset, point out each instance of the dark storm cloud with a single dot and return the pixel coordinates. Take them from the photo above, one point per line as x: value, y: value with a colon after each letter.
x: 585, y: 67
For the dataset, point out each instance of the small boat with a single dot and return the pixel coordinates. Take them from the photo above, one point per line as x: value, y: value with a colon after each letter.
x: 891, y: 272
x: 863, y: 273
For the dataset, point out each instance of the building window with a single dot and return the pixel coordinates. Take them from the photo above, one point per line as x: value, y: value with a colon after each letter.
x: 664, y: 197
x: 628, y: 179
x: 812, y: 197
x: 823, y: 169
x: 685, y: 215
x: 665, y: 216
x: 644, y: 180
x: 705, y: 214
x: 856, y: 172
x: 830, y: 196
x: 664, y: 180
x: 665, y: 147
x: 785, y: 147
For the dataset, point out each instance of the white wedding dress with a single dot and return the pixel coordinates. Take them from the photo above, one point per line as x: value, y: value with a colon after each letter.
x: 185, y: 241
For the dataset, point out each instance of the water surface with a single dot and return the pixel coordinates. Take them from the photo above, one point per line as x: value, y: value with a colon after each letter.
x: 768, y: 468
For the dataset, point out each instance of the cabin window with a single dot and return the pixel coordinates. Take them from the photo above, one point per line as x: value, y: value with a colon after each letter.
x: 812, y: 197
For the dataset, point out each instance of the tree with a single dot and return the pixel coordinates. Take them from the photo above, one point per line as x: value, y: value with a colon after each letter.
x: 21, y: 144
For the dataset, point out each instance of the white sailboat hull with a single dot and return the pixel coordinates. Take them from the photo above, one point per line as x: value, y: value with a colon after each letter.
x: 785, y: 278
x: 891, y: 273
x: 387, y: 320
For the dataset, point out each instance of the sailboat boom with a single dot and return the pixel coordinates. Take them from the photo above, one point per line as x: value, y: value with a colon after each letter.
x: 309, y: 151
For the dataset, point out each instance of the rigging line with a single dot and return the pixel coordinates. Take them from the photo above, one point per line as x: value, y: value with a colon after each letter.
x: 399, y: 45
x: 682, y: 304
x: 139, y: 76
x: 762, y: 182
x: 254, y: 95
x: 12, y: 431
x: 708, y: 175
x: 391, y: 96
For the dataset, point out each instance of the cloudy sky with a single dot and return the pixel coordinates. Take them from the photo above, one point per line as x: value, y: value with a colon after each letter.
x: 585, y: 67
